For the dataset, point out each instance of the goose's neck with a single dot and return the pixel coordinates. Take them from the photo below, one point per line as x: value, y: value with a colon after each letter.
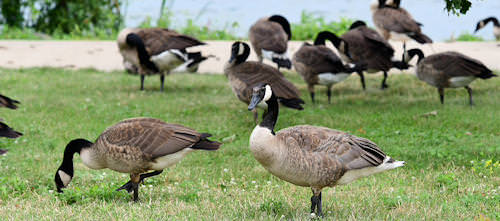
x: 75, y: 146
x: 271, y: 116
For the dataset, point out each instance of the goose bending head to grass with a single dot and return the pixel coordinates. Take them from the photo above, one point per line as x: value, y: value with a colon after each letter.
x: 449, y: 70
x: 318, y: 64
x: 154, y: 51
x: 309, y: 156
x: 269, y: 37
x: 134, y: 146
x: 496, y: 26
x: 244, y: 75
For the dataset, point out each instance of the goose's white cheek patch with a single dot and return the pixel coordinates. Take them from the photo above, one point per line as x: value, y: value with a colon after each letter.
x: 268, y: 93
x: 65, y: 178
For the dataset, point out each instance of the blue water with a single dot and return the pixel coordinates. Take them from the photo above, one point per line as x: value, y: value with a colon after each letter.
x: 438, y: 24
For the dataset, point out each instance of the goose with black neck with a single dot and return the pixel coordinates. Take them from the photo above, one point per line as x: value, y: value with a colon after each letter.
x: 310, y: 156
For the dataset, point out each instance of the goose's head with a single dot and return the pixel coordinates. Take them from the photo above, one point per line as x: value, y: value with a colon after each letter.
x: 239, y: 52
x: 408, y: 55
x: 339, y: 43
x: 65, y: 172
x: 261, y: 93
x: 479, y: 25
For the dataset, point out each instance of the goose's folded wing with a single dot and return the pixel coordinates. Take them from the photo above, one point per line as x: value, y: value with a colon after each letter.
x: 153, y: 137
x: 253, y: 73
x: 319, y: 59
x: 457, y: 65
x: 158, y: 40
x: 269, y: 36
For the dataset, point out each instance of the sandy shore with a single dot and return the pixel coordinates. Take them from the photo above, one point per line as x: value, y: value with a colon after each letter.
x: 103, y: 55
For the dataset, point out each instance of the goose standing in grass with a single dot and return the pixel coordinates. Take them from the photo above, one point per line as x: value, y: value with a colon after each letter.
x: 154, y: 50
x: 394, y: 22
x: 134, y: 146
x: 496, y: 26
x: 449, y: 70
x: 6, y: 131
x: 244, y: 75
x: 310, y: 156
x: 367, y: 46
x: 269, y: 37
x: 318, y: 64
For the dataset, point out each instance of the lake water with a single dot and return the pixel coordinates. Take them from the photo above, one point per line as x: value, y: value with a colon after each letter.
x: 438, y: 24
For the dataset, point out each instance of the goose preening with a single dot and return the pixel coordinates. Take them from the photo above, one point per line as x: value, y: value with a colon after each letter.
x: 394, y: 22
x: 367, y: 46
x: 6, y: 131
x: 496, y: 26
x: 318, y: 64
x: 154, y: 50
x: 8, y: 102
x: 310, y: 156
x: 244, y: 75
x: 449, y: 70
x: 269, y: 37
x: 134, y: 146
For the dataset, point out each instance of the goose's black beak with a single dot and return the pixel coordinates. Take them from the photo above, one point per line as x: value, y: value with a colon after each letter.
x: 256, y: 99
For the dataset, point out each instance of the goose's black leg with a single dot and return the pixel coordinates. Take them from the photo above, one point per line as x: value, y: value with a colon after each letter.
x: 162, y: 79
x: 329, y: 93
x: 311, y: 91
x: 441, y: 95
x: 469, y: 90
x: 384, y: 85
x: 316, y: 202
x: 129, y: 185
x: 142, y: 82
x: 362, y: 78
x: 3, y: 151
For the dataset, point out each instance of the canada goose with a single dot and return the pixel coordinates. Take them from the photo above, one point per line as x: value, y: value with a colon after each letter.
x: 496, y: 26
x: 134, y: 146
x: 244, y: 75
x: 8, y: 103
x: 449, y: 70
x: 396, y: 23
x: 269, y: 37
x: 6, y: 131
x: 317, y: 64
x: 189, y: 66
x: 154, y: 50
x: 310, y: 156
x: 367, y: 46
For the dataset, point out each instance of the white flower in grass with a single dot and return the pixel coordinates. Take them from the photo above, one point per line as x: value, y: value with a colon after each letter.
x: 269, y: 182
x: 51, y: 191
x: 313, y: 215
x: 253, y: 182
x: 176, y: 183
x: 226, y: 170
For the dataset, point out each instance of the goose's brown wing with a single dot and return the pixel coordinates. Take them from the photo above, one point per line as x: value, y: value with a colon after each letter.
x: 396, y: 20
x: 352, y: 151
x: 6, y: 131
x: 153, y: 137
x: 7, y: 102
x: 158, y: 40
x: 319, y: 59
x: 367, y: 46
x: 454, y: 64
x: 269, y: 36
x: 253, y: 73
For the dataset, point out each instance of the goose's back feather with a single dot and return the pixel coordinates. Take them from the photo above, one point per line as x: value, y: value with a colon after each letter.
x: 396, y: 20
x: 311, y: 60
x: 243, y: 77
x: 438, y: 69
x: 370, y: 47
x: 268, y: 35
x: 158, y: 40
x: 147, y: 137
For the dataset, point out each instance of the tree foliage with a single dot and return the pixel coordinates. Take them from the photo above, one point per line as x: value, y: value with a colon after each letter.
x: 458, y: 6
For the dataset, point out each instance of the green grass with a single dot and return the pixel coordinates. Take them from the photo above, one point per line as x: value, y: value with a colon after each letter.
x: 448, y: 176
x: 466, y: 36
